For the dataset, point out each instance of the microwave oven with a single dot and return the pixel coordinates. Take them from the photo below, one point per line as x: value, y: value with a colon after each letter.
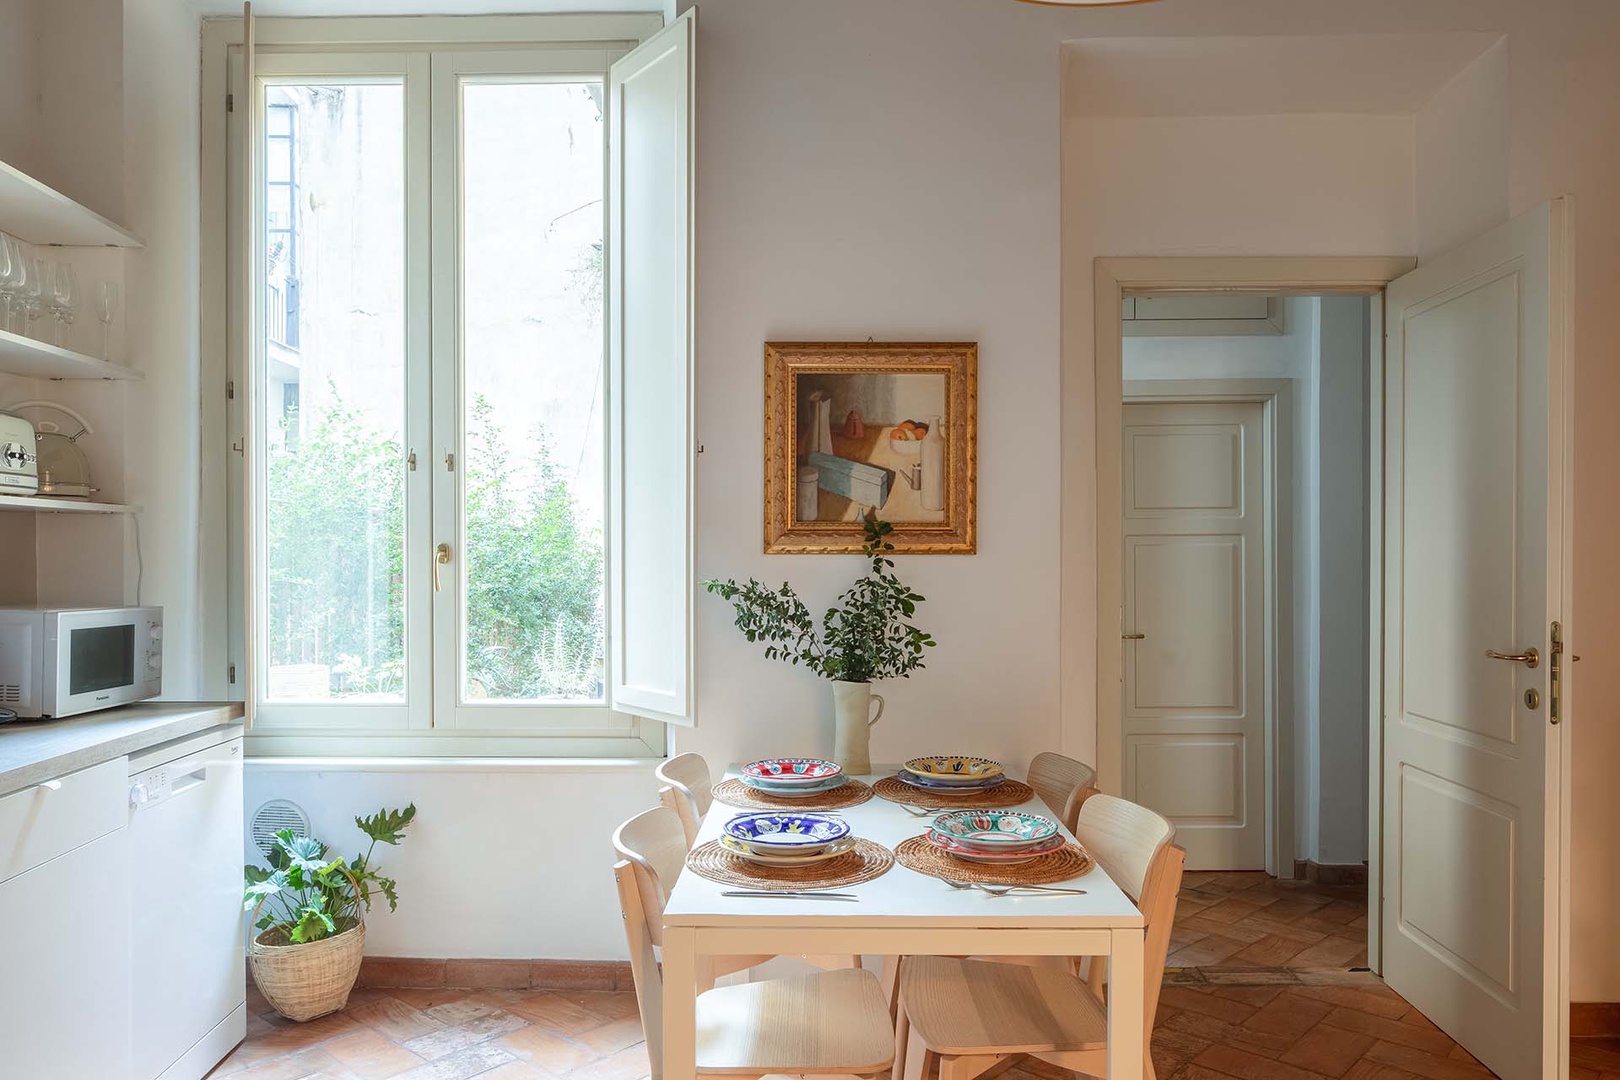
x: 66, y: 661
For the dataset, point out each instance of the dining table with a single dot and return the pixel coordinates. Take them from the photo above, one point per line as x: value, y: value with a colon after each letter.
x: 901, y: 913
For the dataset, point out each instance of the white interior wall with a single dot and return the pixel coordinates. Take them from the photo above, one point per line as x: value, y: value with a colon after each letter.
x: 1340, y: 633
x: 20, y: 106
x: 1462, y: 155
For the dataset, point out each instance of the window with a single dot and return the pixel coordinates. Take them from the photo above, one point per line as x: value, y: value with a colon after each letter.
x: 438, y: 496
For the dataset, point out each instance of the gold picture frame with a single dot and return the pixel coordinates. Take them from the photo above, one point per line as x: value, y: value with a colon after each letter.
x: 851, y: 427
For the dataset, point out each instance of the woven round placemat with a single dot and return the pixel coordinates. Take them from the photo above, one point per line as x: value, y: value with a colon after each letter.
x: 734, y: 792
x: 1064, y: 864
x: 1011, y: 793
x: 867, y: 860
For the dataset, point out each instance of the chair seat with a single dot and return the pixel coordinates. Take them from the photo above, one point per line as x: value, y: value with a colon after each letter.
x: 824, y: 1022
x: 975, y: 1006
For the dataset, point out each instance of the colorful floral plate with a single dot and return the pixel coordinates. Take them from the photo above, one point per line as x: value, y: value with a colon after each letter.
x: 830, y: 851
x: 996, y: 830
x: 792, y: 770
x: 949, y: 789
x: 779, y: 833
x: 953, y: 769
x: 794, y: 791
x: 997, y: 858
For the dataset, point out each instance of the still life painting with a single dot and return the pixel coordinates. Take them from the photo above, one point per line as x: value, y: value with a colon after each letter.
x: 860, y: 428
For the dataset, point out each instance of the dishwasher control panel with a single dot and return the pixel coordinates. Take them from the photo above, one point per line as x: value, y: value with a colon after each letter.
x: 165, y: 782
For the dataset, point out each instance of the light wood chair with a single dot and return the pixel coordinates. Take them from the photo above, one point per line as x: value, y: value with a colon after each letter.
x: 688, y: 790
x: 959, y: 1018
x: 1063, y: 784
x: 808, y: 1025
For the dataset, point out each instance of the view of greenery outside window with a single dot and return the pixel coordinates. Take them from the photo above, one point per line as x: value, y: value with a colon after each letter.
x: 335, y: 476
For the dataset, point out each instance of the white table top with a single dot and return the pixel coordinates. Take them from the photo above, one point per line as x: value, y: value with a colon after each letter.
x: 901, y: 896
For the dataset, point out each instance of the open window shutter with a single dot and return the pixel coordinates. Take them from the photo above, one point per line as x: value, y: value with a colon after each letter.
x: 248, y: 306
x: 650, y: 392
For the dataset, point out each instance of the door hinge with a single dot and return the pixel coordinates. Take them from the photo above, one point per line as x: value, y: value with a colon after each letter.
x: 230, y: 103
x: 1555, y: 678
x: 230, y: 673
x: 230, y: 389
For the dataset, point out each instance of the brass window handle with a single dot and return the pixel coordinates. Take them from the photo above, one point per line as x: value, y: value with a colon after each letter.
x: 1530, y: 658
x: 1133, y: 637
x: 441, y: 557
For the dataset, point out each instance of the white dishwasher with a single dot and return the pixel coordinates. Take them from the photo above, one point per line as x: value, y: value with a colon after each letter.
x: 188, y: 986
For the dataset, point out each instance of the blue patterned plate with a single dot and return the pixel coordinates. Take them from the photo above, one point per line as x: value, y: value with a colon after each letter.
x: 949, y: 789
x: 779, y: 833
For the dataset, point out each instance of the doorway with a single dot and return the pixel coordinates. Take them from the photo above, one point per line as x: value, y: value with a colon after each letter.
x: 1454, y: 827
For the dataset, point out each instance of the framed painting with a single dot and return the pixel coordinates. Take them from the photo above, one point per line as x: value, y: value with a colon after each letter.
x: 853, y: 428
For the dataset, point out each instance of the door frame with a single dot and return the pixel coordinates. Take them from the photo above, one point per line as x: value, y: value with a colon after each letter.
x: 1276, y: 399
x: 1113, y: 278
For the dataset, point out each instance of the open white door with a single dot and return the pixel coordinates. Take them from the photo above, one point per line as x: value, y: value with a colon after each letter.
x: 1477, y: 423
x: 651, y: 353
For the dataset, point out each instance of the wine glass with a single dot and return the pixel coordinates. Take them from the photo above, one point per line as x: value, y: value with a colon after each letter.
x: 65, y: 290
x: 8, y: 270
x: 106, y: 310
x: 34, y: 290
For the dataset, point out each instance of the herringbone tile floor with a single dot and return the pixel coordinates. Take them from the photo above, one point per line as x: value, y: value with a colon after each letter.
x: 1260, y: 987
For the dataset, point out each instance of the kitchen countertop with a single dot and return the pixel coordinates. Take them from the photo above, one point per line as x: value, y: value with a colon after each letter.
x: 32, y: 751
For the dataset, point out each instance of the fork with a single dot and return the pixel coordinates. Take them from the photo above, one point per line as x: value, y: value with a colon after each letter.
x: 1003, y: 890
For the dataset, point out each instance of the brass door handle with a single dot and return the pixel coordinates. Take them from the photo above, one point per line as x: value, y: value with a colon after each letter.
x: 441, y: 557
x: 1530, y: 658
x: 1133, y: 637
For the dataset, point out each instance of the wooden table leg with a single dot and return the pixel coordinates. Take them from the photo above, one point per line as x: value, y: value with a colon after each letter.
x: 1127, y: 1037
x: 680, y: 1004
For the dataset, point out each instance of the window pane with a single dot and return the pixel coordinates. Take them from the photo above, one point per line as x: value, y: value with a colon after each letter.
x: 532, y: 160
x: 334, y: 396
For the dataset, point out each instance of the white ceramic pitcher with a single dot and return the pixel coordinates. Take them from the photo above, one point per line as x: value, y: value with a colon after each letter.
x: 852, y: 725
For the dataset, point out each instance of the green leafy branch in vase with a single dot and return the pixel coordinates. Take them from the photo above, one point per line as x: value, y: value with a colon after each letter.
x: 307, y: 896
x: 868, y: 636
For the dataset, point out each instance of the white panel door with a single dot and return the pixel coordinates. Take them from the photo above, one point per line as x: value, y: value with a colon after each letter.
x: 1194, y: 626
x: 1476, y: 421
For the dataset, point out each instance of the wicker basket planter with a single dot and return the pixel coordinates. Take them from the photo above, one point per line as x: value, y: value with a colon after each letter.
x: 305, y: 981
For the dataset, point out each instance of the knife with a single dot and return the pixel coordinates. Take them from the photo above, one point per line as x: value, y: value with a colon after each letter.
x: 783, y: 894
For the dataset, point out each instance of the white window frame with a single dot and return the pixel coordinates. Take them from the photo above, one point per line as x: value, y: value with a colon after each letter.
x: 435, y: 52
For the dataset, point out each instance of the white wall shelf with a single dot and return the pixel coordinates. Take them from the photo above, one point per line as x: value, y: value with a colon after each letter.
x: 38, y: 214
x: 45, y: 504
x: 41, y: 360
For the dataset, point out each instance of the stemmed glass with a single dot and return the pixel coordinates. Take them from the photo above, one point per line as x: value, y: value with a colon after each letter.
x: 37, y: 273
x: 106, y: 310
x: 65, y: 291
x: 9, y: 271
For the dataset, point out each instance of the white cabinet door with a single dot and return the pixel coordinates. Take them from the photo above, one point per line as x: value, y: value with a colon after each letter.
x: 1194, y: 626
x: 64, y: 966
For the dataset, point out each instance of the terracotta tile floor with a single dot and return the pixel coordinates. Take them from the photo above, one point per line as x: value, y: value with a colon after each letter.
x: 1259, y: 988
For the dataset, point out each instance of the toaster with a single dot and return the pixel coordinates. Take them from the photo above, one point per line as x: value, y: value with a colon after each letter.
x: 19, y: 463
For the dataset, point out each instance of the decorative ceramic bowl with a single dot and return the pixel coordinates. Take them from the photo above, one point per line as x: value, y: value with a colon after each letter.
x: 937, y: 788
x: 779, y: 833
x: 794, y: 791
x: 830, y: 851
x: 954, y: 769
x: 996, y: 830
x: 957, y: 850
x: 792, y: 770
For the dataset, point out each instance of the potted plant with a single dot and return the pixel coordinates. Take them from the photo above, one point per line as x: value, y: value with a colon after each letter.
x: 867, y: 636
x: 309, y: 916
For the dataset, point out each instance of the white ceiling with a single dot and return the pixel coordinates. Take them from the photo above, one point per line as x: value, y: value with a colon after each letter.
x: 307, y: 8
x: 1387, y: 74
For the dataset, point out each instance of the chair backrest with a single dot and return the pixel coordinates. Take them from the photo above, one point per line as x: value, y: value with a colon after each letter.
x: 652, y: 851
x: 654, y: 843
x: 688, y: 777
x: 1062, y: 783
x: 1134, y: 845
x: 1124, y: 838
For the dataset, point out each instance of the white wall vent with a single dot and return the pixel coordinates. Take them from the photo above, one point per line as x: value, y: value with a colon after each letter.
x: 271, y: 818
